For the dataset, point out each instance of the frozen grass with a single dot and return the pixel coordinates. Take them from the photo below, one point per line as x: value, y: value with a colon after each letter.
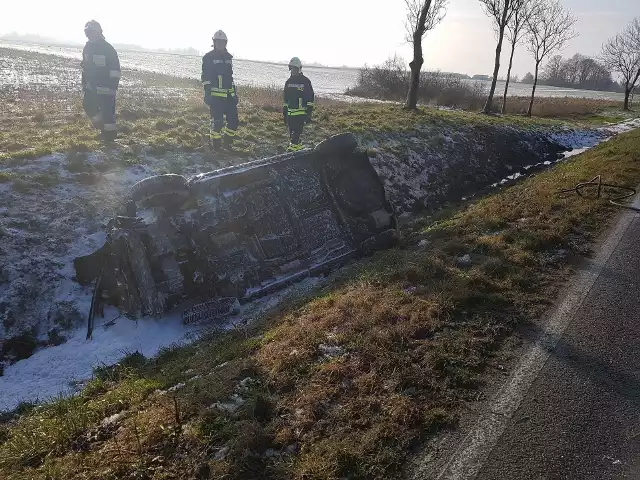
x: 345, y: 383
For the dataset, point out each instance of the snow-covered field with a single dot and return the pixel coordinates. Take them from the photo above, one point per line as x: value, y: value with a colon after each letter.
x: 50, y: 214
x: 329, y: 82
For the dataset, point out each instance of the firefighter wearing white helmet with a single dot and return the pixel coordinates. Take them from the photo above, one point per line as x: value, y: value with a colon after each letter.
x: 100, y: 80
x: 298, y: 103
x: 220, y: 92
x: 220, y: 35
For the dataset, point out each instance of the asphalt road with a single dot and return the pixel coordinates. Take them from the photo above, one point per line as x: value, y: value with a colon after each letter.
x: 580, y: 419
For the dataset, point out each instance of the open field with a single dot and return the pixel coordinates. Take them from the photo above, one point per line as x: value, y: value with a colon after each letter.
x: 43, y: 113
x: 332, y: 82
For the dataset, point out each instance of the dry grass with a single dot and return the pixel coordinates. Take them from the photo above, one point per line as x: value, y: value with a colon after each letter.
x: 558, y: 107
x: 391, y: 81
x: 344, y: 384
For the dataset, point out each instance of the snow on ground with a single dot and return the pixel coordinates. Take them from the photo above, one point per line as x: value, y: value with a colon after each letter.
x: 582, y: 140
x: 61, y: 370
x: 572, y: 139
x: 57, y: 370
x: 622, y: 127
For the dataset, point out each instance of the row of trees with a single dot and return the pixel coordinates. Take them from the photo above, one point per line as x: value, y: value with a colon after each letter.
x: 545, y: 27
x: 578, y: 71
x: 622, y: 55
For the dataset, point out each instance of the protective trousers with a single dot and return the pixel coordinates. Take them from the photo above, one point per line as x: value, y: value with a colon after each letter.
x: 221, y: 107
x: 101, y: 109
x: 296, y: 125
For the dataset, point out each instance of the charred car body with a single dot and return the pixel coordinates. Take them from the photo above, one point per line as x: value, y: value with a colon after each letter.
x: 240, y: 232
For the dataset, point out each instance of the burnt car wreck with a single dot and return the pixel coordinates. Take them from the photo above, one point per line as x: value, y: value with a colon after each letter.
x: 226, y: 237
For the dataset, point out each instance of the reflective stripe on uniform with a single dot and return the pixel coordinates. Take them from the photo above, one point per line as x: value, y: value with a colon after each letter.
x: 109, y: 127
x: 114, y: 73
x: 206, y: 83
x: 215, y: 135
x: 219, y: 81
x: 222, y: 92
x: 311, y: 104
x: 105, y: 91
x: 295, y: 147
x: 295, y: 112
x: 100, y: 60
x: 228, y: 132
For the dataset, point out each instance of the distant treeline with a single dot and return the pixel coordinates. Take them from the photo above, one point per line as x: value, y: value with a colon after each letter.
x: 579, y: 71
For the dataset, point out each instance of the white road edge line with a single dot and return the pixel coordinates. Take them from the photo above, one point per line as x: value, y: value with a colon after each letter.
x: 469, y: 458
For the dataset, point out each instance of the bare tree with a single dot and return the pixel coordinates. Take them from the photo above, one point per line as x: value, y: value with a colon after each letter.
x: 500, y: 12
x: 553, y: 72
x: 622, y: 55
x: 515, y: 30
x: 549, y: 29
x: 578, y: 71
x: 422, y: 16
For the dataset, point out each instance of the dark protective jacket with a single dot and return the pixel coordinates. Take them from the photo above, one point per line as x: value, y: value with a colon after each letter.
x: 298, y: 96
x: 217, y: 74
x: 100, y: 68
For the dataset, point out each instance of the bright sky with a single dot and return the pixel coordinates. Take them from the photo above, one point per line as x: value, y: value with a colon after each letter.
x: 332, y: 32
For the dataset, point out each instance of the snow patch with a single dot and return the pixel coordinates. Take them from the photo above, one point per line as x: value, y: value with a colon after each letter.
x: 623, y: 127
x: 571, y: 139
x: 54, y: 371
x: 62, y: 369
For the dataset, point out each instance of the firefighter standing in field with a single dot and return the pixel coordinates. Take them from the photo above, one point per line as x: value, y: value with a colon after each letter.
x: 220, y: 92
x: 100, y: 80
x: 298, y: 103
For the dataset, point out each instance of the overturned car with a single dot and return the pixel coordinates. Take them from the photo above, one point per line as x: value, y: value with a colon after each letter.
x: 226, y: 237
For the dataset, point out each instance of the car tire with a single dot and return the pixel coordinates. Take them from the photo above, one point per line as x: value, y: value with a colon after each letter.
x: 160, y: 191
x: 341, y: 143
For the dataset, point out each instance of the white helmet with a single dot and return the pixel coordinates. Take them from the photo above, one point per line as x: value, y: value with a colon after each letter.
x: 295, y: 62
x: 220, y: 35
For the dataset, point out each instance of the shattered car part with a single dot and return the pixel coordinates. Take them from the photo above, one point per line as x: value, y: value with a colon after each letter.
x: 229, y: 236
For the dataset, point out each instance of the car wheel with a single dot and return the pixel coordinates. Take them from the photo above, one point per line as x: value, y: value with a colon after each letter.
x: 341, y: 143
x: 160, y: 191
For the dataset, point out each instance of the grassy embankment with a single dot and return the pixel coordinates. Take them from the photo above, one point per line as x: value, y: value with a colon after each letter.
x: 345, y: 383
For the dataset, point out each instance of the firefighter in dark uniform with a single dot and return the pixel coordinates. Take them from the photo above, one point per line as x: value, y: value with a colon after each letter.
x: 100, y: 80
x: 220, y: 92
x: 298, y: 103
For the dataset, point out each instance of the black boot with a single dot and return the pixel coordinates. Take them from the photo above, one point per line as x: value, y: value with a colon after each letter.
x: 216, y: 144
x: 228, y: 142
x: 109, y: 136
